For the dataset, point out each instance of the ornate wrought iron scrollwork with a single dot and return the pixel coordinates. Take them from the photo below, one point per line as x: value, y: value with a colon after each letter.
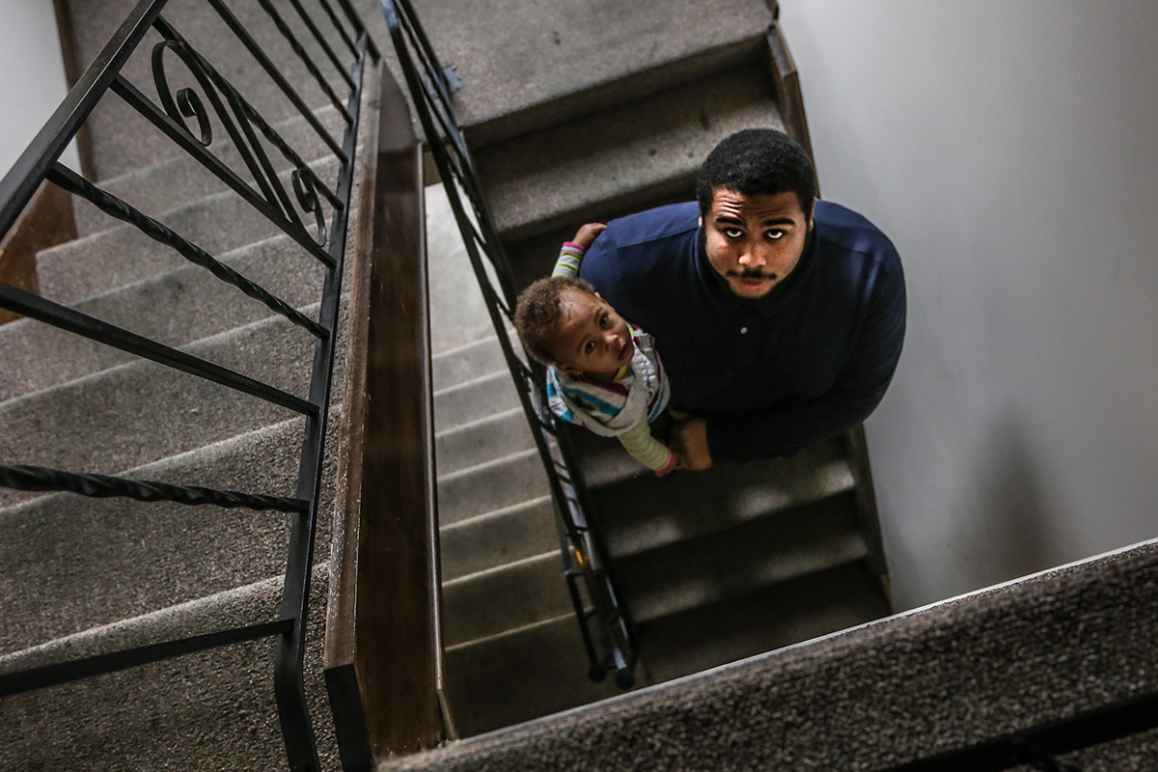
x: 235, y: 116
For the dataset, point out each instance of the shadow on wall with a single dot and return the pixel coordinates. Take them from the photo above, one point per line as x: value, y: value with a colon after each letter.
x: 1004, y: 528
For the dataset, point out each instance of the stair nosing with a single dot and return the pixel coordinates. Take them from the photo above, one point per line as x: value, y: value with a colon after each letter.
x: 542, y: 557
x: 859, y: 552
x: 486, y: 377
x: 142, y: 361
x: 477, y: 422
x: 489, y: 464
x: 494, y: 514
x: 63, y: 642
x: 462, y: 645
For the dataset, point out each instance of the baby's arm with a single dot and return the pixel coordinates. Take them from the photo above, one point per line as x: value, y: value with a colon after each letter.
x: 572, y: 252
x: 647, y: 450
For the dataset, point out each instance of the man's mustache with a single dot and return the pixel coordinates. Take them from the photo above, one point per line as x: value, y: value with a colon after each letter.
x: 756, y: 274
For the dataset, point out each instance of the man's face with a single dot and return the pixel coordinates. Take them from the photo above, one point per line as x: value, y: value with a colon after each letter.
x: 754, y: 242
x: 591, y: 337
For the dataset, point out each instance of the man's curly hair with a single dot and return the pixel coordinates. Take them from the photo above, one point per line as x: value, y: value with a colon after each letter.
x: 754, y: 162
x: 539, y: 311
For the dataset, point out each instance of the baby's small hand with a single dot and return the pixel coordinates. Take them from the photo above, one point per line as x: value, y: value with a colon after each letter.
x: 587, y: 234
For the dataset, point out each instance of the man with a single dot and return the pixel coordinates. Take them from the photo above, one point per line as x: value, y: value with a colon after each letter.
x: 779, y: 318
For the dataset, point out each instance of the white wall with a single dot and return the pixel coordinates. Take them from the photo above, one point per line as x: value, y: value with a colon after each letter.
x: 1010, y: 150
x: 33, y: 83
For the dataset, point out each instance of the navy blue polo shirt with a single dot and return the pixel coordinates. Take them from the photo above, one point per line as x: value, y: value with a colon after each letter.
x: 771, y: 376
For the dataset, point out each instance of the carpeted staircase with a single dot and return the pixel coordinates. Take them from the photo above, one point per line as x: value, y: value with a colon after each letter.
x: 615, y: 116
x: 621, y: 102
x: 82, y: 576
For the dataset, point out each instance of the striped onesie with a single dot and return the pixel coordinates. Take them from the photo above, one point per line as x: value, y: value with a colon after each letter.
x: 623, y: 407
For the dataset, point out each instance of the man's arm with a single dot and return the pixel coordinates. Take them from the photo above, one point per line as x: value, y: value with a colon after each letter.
x: 859, y: 389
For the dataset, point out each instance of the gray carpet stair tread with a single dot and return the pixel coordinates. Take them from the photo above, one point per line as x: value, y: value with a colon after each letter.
x: 616, y: 159
x: 466, y: 363
x: 508, y: 596
x: 142, y: 412
x: 174, y: 308
x: 646, y: 512
x: 497, y: 538
x: 494, y: 485
x: 729, y: 563
x: 963, y: 671
x: 527, y: 66
x: 179, y: 180
x: 520, y: 676
x: 167, y: 715
x: 56, y: 549
x: 95, y: 264
x: 766, y: 619
x: 472, y: 400
x: 492, y: 437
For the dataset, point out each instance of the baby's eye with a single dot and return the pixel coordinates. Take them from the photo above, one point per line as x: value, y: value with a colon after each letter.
x: 605, y: 321
x: 589, y: 347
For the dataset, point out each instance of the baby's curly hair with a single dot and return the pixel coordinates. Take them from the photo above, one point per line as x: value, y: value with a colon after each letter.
x: 539, y: 311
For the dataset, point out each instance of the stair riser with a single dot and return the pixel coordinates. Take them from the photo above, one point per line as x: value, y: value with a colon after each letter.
x: 458, y: 367
x: 139, y: 413
x: 94, y: 265
x: 517, y: 677
x: 473, y: 401
x: 613, y: 93
x: 619, y: 159
x: 183, y: 179
x: 776, y: 548
x: 500, y: 484
x: 477, y: 443
x: 516, y: 595
x: 174, y: 309
x: 503, y: 537
x: 145, y: 556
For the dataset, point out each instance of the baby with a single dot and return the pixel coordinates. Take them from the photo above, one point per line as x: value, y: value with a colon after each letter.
x: 602, y: 373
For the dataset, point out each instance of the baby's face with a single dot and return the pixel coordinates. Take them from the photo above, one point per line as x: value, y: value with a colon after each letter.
x: 592, y: 338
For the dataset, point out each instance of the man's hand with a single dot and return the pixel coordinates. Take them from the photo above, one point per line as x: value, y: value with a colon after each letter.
x: 587, y: 234
x: 690, y: 441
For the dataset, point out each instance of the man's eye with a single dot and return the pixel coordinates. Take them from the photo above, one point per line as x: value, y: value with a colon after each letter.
x: 733, y: 233
x: 774, y: 235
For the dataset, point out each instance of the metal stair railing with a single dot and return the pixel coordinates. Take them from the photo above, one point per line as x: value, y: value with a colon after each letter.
x: 604, y: 622
x: 184, y: 119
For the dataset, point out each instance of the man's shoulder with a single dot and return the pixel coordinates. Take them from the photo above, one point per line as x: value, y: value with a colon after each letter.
x: 642, y: 245
x: 654, y: 225
x: 843, y: 229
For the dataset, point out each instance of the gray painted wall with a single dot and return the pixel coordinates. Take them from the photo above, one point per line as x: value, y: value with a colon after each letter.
x: 33, y: 76
x: 1010, y: 150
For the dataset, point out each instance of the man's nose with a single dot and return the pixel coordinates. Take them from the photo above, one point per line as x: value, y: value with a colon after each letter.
x: 753, y: 257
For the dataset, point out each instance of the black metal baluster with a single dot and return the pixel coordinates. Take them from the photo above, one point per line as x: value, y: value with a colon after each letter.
x: 325, y: 44
x: 329, y: 10
x: 296, y: 45
x: 275, y: 74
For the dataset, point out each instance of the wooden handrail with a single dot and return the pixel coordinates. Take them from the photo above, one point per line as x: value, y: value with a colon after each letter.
x: 383, y: 647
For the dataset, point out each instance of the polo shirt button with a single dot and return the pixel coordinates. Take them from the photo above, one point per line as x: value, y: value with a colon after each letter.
x: 743, y: 330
